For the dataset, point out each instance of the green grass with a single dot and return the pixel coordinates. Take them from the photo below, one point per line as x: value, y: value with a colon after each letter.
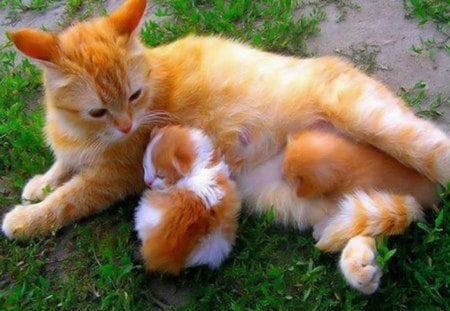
x: 436, y: 12
x: 425, y: 105
x: 269, y: 24
x: 90, y: 264
x: 17, y: 7
x: 433, y: 11
x: 364, y: 56
x: 82, y: 9
x: 33, y: 5
x: 343, y: 6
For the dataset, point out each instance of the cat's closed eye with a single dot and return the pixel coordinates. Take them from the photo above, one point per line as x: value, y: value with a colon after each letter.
x: 160, y: 176
x: 98, y: 113
x: 135, y: 95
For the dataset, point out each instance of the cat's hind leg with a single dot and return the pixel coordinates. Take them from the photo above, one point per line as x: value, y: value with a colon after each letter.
x: 358, y: 264
x: 368, y: 111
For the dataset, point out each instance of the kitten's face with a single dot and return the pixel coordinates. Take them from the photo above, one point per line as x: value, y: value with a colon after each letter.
x: 96, y: 74
x: 168, y: 158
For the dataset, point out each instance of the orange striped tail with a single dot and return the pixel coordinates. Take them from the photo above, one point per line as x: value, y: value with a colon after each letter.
x: 368, y: 214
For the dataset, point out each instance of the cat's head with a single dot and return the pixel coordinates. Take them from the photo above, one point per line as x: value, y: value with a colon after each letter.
x: 95, y: 73
x: 173, y: 153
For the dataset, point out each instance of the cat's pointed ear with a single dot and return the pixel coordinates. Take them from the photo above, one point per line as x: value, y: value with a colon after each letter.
x: 127, y: 17
x: 35, y: 43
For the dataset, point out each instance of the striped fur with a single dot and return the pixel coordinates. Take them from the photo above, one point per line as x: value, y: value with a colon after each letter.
x: 368, y: 214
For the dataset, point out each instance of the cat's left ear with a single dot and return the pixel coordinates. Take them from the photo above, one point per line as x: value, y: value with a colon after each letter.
x: 127, y: 17
x: 37, y: 44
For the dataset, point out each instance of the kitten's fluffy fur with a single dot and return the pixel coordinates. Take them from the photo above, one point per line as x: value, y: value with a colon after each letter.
x: 190, y: 218
x: 246, y: 100
x: 324, y: 163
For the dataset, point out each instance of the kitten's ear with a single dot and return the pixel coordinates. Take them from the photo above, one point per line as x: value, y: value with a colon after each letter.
x: 181, y: 166
x: 36, y: 44
x: 126, y: 18
x: 182, y: 161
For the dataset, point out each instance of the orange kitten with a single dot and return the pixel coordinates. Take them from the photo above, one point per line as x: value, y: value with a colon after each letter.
x: 327, y: 164
x: 189, y: 217
x: 322, y: 162
x: 375, y: 194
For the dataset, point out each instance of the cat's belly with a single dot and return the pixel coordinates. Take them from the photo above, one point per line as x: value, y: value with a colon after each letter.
x: 263, y: 187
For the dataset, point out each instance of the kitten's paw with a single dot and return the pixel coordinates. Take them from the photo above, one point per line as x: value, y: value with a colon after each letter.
x: 359, y: 265
x: 19, y: 223
x: 34, y: 190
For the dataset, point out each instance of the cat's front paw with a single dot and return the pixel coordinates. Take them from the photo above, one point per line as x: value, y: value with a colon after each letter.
x: 359, y: 265
x: 35, y: 189
x: 19, y: 223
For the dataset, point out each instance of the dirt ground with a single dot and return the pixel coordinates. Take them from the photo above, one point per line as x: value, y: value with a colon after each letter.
x: 382, y: 23
x: 378, y: 22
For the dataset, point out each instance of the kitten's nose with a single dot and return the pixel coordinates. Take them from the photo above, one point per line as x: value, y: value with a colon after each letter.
x: 149, y: 182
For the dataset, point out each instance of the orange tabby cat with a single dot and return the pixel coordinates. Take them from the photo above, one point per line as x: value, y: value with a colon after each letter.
x: 190, y: 218
x: 103, y: 88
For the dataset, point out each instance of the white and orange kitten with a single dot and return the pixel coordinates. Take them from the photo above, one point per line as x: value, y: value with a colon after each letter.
x: 189, y: 217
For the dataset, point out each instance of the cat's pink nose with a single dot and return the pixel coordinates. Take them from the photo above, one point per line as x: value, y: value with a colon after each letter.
x: 124, y: 124
x: 126, y: 128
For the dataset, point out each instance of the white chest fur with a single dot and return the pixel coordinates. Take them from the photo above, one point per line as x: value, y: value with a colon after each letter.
x: 264, y: 187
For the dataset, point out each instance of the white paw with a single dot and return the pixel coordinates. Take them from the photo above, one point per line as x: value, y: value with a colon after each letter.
x: 34, y: 189
x: 359, y: 265
x: 15, y: 222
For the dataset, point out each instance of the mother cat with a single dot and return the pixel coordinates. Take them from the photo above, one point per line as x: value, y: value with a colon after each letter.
x: 101, y: 84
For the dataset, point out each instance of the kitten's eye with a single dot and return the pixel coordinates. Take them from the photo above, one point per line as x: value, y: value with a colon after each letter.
x: 98, y: 113
x: 135, y: 95
x: 160, y: 176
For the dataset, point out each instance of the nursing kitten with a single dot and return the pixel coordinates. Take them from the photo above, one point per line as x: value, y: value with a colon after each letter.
x: 345, y: 198
x: 324, y: 163
x: 189, y: 217
x: 103, y: 88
